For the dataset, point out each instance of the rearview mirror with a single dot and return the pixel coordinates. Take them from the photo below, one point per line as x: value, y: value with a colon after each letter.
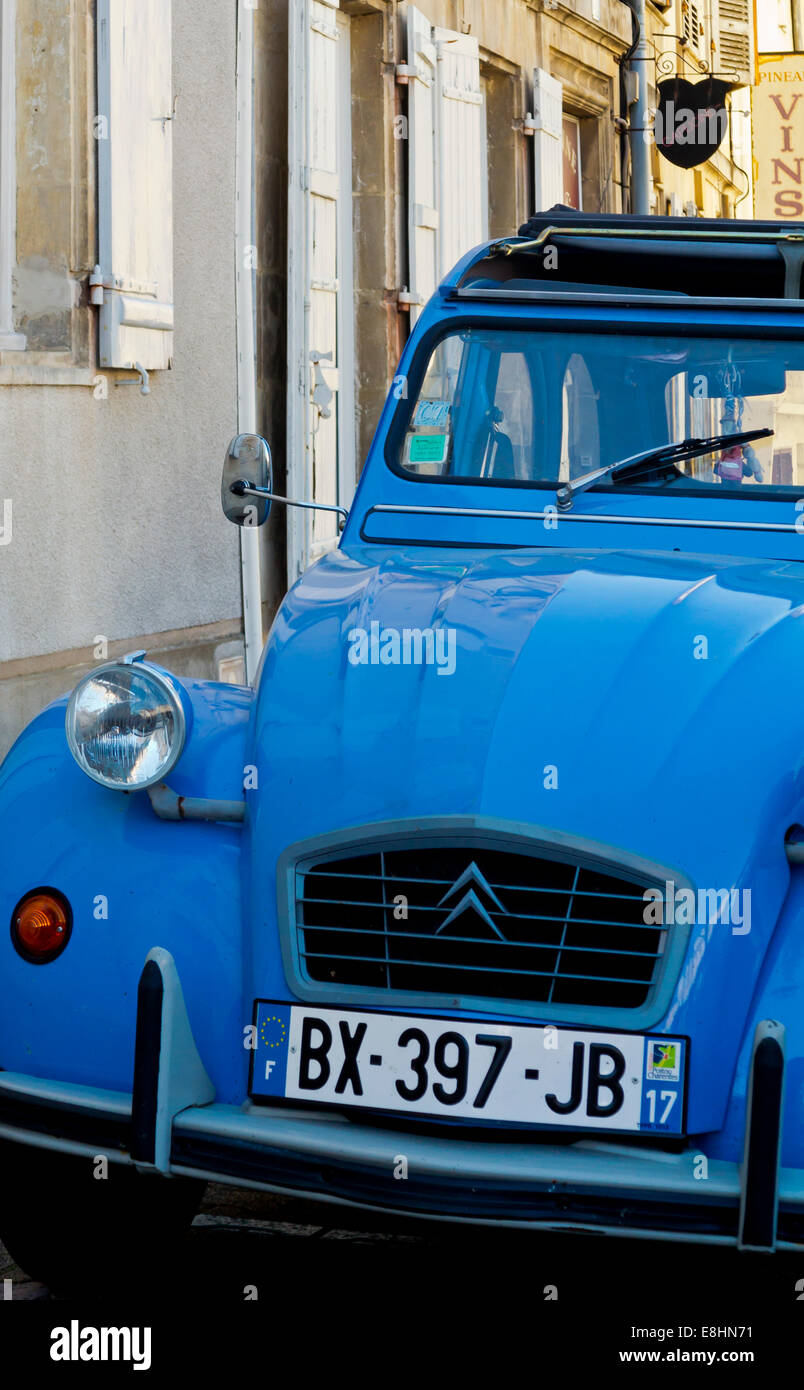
x: 247, y: 465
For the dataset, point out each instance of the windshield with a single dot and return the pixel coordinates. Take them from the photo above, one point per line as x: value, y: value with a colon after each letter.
x: 531, y: 407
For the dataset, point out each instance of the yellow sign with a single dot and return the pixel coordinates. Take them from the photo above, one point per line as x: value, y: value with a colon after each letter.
x: 778, y: 137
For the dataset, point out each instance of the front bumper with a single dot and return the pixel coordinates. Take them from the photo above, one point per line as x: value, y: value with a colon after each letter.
x: 170, y: 1122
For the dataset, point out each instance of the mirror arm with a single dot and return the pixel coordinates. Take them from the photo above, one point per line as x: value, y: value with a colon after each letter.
x: 241, y: 488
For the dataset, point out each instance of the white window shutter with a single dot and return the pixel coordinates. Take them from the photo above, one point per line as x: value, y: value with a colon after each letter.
x: 461, y: 154
x: 692, y: 26
x: 422, y: 196
x: 135, y: 193
x: 320, y: 416
x: 733, y: 26
x: 547, y: 148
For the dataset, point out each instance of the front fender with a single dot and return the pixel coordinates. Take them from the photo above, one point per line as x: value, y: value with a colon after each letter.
x: 779, y: 995
x: 133, y: 882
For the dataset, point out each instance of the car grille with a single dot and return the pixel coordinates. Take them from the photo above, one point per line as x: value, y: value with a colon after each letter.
x: 478, y: 922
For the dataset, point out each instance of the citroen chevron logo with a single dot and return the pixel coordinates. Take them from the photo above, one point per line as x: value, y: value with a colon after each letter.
x: 473, y: 877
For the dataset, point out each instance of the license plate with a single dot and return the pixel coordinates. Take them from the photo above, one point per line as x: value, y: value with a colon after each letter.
x: 481, y: 1072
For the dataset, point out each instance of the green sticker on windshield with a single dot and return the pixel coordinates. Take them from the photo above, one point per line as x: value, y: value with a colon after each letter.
x: 428, y: 448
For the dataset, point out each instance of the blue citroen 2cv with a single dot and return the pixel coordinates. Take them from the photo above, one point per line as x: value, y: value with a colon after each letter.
x: 487, y: 902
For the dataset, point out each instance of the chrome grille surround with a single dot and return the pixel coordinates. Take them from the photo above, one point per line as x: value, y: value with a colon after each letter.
x: 481, y: 915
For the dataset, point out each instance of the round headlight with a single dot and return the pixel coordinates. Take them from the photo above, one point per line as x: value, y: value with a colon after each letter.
x: 125, y: 725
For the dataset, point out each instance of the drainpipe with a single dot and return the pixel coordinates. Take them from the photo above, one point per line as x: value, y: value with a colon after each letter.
x: 640, y: 145
x: 250, y: 540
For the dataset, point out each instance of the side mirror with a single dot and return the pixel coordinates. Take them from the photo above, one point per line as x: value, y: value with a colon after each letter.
x: 247, y: 466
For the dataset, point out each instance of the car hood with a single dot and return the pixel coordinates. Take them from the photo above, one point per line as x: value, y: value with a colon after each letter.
x: 650, y: 703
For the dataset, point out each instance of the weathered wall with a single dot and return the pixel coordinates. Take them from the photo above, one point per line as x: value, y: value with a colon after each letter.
x: 523, y: 32
x: 584, y: 59
x: 514, y: 36
x: 117, y: 528
x: 55, y: 161
x: 377, y: 159
x: 513, y: 39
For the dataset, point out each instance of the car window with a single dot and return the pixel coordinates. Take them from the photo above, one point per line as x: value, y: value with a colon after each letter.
x: 580, y: 427
x: 525, y: 406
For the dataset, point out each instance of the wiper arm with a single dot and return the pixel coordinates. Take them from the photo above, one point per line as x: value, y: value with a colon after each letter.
x: 644, y: 462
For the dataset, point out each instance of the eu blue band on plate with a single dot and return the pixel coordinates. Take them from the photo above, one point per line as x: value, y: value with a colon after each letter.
x: 271, y: 1054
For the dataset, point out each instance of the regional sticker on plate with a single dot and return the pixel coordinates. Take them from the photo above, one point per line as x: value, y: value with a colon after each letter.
x: 477, y: 1071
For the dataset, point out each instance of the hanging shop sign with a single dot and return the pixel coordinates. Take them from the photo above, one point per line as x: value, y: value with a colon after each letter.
x: 691, y: 119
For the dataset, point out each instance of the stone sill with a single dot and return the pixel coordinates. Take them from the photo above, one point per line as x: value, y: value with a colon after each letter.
x: 42, y: 374
x: 161, y: 642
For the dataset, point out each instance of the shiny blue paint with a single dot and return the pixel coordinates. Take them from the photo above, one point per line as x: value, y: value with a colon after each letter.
x: 583, y: 661
x: 170, y: 885
x: 576, y: 647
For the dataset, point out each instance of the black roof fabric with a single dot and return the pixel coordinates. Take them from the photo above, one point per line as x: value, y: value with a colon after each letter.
x: 705, y: 257
x: 674, y: 225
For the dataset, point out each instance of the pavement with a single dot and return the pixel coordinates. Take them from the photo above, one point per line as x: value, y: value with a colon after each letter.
x: 237, y: 1231
x: 242, y: 1239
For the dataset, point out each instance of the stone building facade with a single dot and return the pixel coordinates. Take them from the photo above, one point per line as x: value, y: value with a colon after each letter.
x: 448, y: 121
x: 385, y: 138
x: 116, y: 540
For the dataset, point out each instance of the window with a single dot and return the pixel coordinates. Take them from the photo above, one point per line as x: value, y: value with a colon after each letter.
x: 8, y: 183
x: 510, y: 406
x: 548, y: 161
x: 735, y: 38
x: 580, y: 436
x: 514, y: 398
x: 571, y: 156
x: 447, y: 152
x: 135, y: 182
x: 774, y: 26
x: 692, y: 28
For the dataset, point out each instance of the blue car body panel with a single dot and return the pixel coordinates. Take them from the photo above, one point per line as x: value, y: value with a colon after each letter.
x: 172, y: 885
x: 520, y: 700
x: 578, y: 649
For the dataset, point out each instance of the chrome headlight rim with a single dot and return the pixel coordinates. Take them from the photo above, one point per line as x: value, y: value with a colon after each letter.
x: 170, y: 690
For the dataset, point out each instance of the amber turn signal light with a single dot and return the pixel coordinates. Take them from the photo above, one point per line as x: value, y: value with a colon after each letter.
x: 41, y: 924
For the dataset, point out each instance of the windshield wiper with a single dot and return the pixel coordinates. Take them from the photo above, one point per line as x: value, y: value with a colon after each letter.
x: 644, y: 463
